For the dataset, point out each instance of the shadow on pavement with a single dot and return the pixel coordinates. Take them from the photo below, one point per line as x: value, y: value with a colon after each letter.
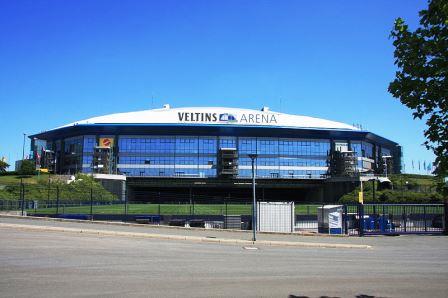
x: 357, y: 296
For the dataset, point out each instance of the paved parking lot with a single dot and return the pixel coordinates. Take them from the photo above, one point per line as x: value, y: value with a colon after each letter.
x: 55, y: 264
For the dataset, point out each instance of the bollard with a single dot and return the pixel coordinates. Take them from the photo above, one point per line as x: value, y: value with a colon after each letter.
x: 445, y: 211
x: 22, y: 194
x: 361, y: 219
x: 91, y: 203
x: 345, y: 219
x: 57, y: 200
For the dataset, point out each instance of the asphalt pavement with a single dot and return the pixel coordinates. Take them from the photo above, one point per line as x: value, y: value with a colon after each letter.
x: 62, y: 264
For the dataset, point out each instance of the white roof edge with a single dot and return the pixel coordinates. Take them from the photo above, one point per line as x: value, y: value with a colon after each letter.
x: 214, y: 116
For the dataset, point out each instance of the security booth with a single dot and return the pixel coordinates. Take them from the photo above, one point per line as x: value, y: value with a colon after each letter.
x: 329, y: 219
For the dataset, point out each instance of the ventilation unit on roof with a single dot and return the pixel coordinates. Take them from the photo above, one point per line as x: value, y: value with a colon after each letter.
x: 265, y: 109
x: 166, y: 106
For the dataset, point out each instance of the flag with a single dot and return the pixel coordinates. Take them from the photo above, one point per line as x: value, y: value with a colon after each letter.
x: 412, y: 164
x: 419, y: 165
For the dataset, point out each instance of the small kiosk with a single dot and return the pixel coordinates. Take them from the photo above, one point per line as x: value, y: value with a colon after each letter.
x: 329, y: 219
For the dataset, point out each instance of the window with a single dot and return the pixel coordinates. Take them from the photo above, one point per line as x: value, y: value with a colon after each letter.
x: 227, y: 142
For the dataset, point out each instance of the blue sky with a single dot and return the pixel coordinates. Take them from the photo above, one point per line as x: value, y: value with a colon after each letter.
x: 62, y: 61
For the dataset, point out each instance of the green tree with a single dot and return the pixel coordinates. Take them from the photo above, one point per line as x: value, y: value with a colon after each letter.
x: 421, y: 82
x: 27, y: 167
x: 3, y: 166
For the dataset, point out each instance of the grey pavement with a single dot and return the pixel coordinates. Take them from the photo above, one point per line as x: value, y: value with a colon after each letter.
x: 143, y: 228
x: 58, y: 264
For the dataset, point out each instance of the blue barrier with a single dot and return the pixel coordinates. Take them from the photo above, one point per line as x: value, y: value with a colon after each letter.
x: 153, y: 219
x: 74, y: 216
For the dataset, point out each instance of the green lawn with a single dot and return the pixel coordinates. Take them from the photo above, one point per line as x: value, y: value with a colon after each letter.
x: 168, y: 209
x: 221, y: 209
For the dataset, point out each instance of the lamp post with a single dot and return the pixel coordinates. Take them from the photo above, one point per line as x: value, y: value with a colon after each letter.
x: 23, y: 147
x: 36, y: 156
x: 22, y: 188
x: 254, y: 202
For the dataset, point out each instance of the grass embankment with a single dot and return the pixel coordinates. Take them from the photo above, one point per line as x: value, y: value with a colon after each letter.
x: 16, y: 179
x: 44, y: 187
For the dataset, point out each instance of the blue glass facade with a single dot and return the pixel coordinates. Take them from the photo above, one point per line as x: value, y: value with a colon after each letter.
x: 196, y: 156
x: 87, y: 153
x: 72, y: 152
x: 167, y: 156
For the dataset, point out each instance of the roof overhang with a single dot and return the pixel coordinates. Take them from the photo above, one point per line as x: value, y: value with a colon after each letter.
x: 212, y: 121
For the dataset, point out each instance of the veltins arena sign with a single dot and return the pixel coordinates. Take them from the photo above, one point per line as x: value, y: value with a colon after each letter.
x: 243, y: 118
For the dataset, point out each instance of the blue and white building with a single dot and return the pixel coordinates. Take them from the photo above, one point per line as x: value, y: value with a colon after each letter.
x: 193, y: 149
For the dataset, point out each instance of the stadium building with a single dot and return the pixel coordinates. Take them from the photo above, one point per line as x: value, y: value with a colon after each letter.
x: 206, y: 151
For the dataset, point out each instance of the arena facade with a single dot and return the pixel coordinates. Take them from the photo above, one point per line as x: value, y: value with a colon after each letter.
x: 205, y: 151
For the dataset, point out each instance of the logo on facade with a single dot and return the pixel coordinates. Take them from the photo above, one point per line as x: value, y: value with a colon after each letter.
x: 227, y: 118
x: 106, y: 142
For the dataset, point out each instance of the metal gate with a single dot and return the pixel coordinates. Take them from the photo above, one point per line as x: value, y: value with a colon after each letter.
x: 383, y: 219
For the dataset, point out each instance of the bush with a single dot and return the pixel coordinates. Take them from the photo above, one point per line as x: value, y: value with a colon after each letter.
x: 392, y: 196
x: 27, y: 167
x: 418, y: 189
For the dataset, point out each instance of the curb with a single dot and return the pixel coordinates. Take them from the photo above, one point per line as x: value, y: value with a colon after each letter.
x: 301, y: 233
x: 185, y: 238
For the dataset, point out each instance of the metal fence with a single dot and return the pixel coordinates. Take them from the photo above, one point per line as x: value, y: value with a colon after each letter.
x: 383, y: 219
x: 199, y: 208
x: 159, y: 207
x: 367, y: 219
x: 213, y: 211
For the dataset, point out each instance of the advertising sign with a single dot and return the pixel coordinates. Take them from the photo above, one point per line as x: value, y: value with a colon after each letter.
x: 334, y: 220
x: 106, y: 142
x: 240, y: 118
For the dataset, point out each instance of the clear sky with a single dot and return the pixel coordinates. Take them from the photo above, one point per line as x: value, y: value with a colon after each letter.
x: 62, y: 61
